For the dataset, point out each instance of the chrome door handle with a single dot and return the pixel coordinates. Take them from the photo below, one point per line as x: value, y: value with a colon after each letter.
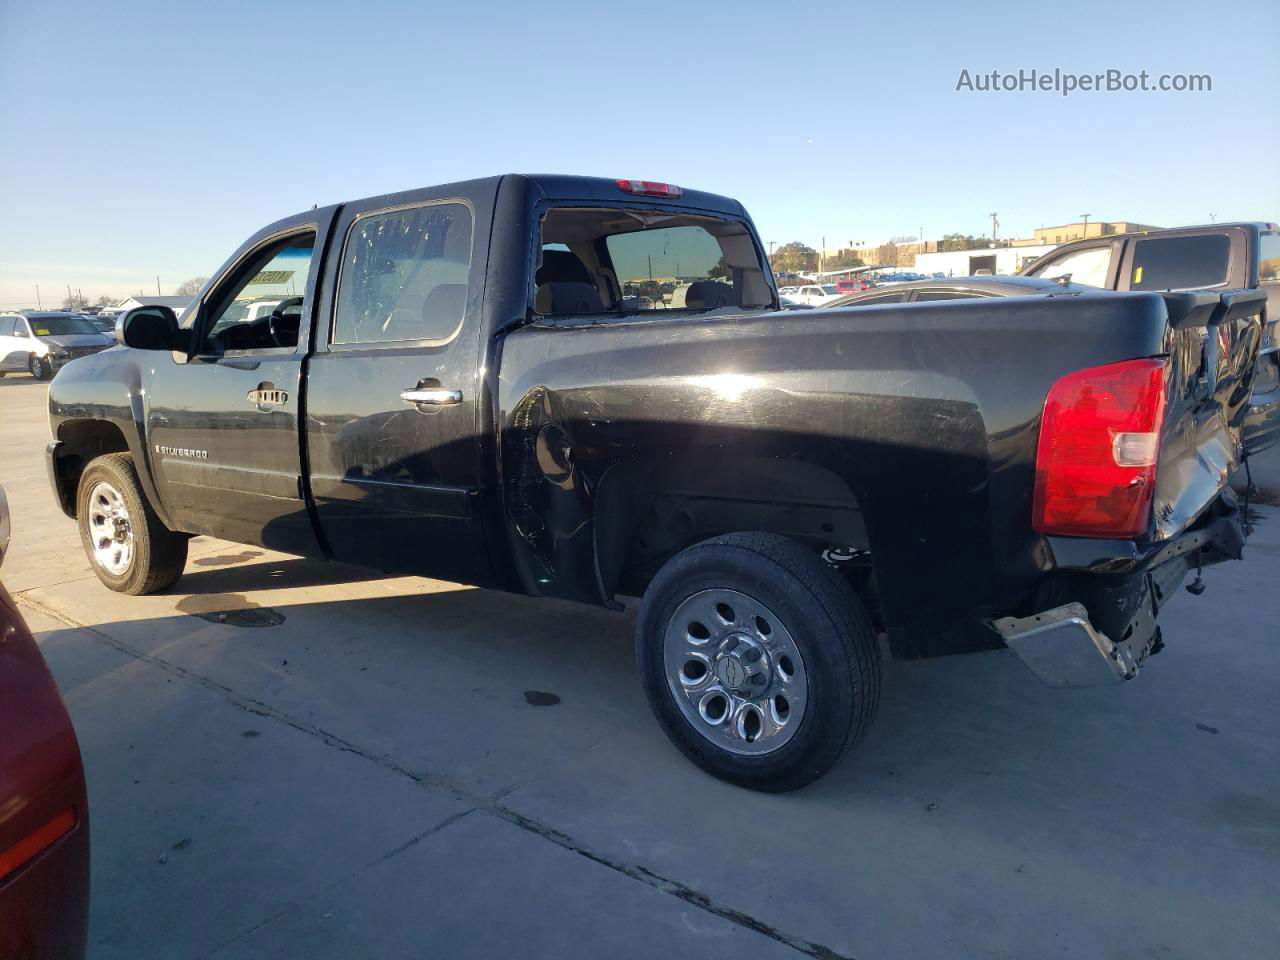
x: 436, y: 397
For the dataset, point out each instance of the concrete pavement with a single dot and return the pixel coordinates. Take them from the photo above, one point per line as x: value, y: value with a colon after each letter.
x: 368, y: 778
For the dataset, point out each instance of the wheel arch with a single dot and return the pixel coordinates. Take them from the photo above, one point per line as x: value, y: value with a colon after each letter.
x: 646, y: 511
x: 78, y: 443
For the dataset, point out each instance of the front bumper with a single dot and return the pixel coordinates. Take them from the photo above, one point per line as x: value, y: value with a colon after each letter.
x: 1098, y: 628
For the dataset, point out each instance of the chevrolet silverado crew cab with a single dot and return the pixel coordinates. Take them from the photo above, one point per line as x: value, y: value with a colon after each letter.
x: 1218, y: 256
x: 489, y: 382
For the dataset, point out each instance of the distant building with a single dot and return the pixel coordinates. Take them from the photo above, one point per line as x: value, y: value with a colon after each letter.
x: 177, y: 304
x: 1081, y: 231
x: 993, y: 260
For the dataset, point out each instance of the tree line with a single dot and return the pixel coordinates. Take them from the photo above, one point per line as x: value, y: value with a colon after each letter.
x: 796, y: 257
x: 76, y: 302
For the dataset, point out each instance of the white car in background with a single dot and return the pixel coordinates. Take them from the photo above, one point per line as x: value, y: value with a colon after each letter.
x: 40, y: 343
x: 816, y: 295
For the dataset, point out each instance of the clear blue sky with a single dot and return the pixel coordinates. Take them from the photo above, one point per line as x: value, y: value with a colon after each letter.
x: 150, y: 138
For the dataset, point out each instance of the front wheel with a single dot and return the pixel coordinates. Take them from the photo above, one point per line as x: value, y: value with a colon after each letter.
x: 130, y: 549
x: 758, y: 660
x: 40, y: 368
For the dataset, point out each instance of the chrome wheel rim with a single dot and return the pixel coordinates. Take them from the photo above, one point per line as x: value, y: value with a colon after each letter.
x: 735, y: 672
x: 110, y: 533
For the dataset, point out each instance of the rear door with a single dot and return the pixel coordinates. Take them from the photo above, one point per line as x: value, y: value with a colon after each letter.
x: 392, y: 386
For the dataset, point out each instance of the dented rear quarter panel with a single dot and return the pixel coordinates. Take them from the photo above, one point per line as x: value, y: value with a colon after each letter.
x: 926, y: 416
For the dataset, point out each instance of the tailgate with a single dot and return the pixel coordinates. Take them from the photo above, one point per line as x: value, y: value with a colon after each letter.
x: 1213, y: 350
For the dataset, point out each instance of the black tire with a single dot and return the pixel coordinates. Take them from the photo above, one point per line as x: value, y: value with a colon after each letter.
x: 828, y: 625
x: 40, y: 367
x: 159, y: 554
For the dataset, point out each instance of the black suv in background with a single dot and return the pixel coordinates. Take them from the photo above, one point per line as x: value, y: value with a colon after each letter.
x: 1222, y: 256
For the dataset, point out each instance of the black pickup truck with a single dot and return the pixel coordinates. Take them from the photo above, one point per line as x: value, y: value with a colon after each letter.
x: 584, y: 389
x: 1216, y: 256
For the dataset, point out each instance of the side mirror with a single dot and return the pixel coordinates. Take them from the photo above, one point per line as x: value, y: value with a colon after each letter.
x: 148, y: 328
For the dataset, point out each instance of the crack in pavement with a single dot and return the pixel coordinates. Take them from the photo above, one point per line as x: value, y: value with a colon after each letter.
x: 411, y: 842
x: 487, y: 805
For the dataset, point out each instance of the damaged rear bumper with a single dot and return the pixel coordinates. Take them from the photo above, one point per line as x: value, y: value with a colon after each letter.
x: 1097, y: 627
x: 1062, y: 648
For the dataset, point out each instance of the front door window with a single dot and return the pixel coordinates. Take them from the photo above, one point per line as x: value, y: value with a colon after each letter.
x: 259, y: 306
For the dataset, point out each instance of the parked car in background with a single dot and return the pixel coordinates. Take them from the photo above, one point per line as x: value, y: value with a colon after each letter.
x: 1258, y: 421
x: 1218, y: 256
x: 816, y: 295
x: 852, y: 285
x: 959, y: 288
x: 885, y: 278
x: 467, y: 398
x: 104, y: 324
x: 41, y: 343
x: 44, y: 813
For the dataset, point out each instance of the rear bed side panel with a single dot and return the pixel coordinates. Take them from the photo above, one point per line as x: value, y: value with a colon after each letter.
x: 927, y: 415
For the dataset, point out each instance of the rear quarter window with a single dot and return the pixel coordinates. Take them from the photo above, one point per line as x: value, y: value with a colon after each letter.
x: 1269, y: 258
x: 1180, y: 263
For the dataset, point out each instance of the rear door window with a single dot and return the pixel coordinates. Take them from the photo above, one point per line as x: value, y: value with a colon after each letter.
x: 6, y: 326
x: 404, y: 275
x: 1180, y: 263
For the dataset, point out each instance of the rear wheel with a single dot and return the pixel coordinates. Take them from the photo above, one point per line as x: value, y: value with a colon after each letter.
x: 130, y: 550
x: 758, y: 660
x: 40, y: 367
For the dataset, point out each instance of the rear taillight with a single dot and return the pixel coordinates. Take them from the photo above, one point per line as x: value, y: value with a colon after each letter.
x: 650, y: 188
x: 1099, y: 441
x: 36, y: 843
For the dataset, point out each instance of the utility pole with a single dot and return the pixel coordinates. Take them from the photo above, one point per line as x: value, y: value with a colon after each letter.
x: 822, y: 255
x: 1213, y: 218
x: 1085, y: 218
x: 771, y: 243
x: 994, y: 223
x: 157, y: 286
x: 39, y: 305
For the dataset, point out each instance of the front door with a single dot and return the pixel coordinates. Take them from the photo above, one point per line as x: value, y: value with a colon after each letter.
x: 392, y: 386
x: 222, y: 418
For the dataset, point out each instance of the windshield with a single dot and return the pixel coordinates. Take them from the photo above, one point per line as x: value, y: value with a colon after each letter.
x: 601, y: 261
x: 59, y: 326
x: 829, y: 288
